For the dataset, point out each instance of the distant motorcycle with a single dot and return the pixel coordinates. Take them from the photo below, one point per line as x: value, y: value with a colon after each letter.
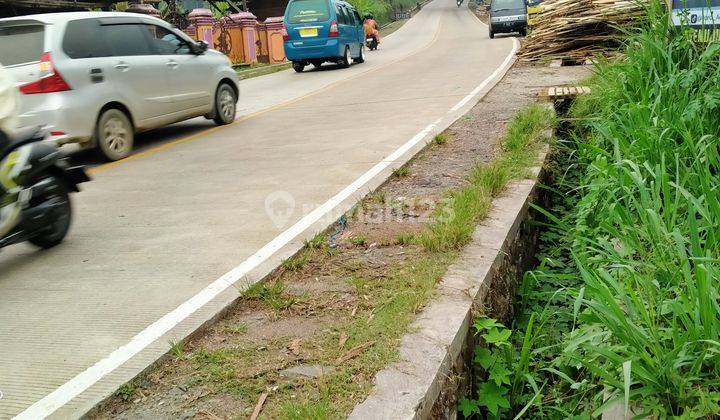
x: 35, y: 183
x: 371, y: 42
x: 459, y: 3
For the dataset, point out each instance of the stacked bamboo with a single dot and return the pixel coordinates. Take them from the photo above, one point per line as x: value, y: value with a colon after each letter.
x: 578, y: 29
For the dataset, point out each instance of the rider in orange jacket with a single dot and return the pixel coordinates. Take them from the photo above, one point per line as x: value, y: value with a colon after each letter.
x: 371, y: 27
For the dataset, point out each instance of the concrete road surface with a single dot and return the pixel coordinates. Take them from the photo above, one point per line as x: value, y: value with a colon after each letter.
x: 160, y: 239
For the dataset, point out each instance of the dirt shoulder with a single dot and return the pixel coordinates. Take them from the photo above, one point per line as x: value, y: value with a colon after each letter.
x: 311, y: 338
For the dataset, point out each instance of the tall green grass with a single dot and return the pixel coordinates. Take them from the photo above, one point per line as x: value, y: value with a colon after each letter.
x: 646, y: 238
x: 638, y: 296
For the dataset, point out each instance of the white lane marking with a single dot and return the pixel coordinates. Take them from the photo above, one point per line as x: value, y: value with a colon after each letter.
x: 84, y: 380
x: 485, y: 82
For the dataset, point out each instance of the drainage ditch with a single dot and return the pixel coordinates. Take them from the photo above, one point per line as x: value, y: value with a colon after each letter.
x: 524, y: 310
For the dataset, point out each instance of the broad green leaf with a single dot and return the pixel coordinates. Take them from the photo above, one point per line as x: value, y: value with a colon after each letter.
x: 468, y: 407
x: 492, y: 397
x: 484, y: 324
x: 497, y: 336
x: 484, y: 357
x: 500, y: 374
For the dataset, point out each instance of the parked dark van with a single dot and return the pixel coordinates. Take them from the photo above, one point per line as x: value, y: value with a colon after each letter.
x: 508, y: 16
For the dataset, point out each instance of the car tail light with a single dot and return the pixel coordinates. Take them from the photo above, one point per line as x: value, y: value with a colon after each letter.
x: 50, y: 80
x: 334, y: 29
x: 286, y: 36
x: 57, y: 133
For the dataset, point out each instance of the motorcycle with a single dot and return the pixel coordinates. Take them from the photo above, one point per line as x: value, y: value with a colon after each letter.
x: 459, y: 3
x: 35, y: 183
x: 371, y: 42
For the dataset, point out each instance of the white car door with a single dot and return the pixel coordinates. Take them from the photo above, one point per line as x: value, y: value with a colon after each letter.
x: 188, y: 73
x: 136, y: 72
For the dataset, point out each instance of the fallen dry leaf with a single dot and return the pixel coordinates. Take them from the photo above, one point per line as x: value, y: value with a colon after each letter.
x: 295, y: 346
x: 343, y: 340
x: 354, y: 352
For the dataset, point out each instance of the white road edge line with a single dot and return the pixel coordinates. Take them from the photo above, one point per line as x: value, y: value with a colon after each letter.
x: 84, y: 380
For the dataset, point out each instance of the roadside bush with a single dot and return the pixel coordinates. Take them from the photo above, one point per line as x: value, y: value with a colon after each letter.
x: 646, y: 238
x: 630, y: 312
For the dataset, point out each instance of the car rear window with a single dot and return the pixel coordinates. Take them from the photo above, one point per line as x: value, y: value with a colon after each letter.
x: 83, y: 39
x: 21, y: 43
x: 300, y: 11
x: 127, y: 40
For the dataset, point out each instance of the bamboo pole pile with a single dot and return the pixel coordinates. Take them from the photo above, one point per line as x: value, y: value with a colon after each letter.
x: 578, y: 29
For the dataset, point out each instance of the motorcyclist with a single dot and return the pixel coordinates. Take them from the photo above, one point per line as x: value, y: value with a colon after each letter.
x: 9, y: 206
x: 371, y: 27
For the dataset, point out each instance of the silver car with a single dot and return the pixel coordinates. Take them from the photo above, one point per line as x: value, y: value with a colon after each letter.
x: 97, y: 78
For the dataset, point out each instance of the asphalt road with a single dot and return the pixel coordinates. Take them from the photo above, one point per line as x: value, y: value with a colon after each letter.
x: 159, y: 238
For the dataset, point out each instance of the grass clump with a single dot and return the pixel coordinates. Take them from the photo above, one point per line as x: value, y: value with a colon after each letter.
x: 236, y: 328
x: 401, y: 172
x: 455, y: 222
x: 317, y: 242
x: 359, y: 240
x: 177, y: 349
x: 295, y: 263
x: 440, y: 139
x: 126, y: 391
x: 305, y: 411
x: 272, y: 294
x: 405, y: 239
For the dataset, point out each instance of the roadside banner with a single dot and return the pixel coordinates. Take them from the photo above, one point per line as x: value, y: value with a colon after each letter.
x: 696, y: 13
x: 700, y: 16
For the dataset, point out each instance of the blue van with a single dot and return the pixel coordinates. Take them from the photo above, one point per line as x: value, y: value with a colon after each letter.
x: 318, y: 31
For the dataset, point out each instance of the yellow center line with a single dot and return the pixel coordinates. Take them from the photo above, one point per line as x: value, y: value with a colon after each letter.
x: 195, y: 136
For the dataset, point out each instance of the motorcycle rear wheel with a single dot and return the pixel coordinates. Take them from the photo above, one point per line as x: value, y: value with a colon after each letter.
x: 58, y: 229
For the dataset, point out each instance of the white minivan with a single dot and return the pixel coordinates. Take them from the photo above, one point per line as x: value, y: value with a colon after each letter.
x: 97, y: 78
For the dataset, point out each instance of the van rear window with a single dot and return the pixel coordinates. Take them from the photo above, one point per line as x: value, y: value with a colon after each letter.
x: 21, y: 43
x: 300, y: 11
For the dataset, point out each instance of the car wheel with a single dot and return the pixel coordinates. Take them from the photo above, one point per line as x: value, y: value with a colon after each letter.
x: 361, y: 57
x: 225, y: 103
x: 523, y: 32
x: 492, y: 34
x: 317, y: 64
x: 298, y: 66
x: 58, y: 229
x: 115, y: 135
x: 345, y: 62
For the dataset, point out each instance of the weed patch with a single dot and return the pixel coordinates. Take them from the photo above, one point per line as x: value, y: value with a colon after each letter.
x: 295, y: 263
x: 455, y: 221
x: 402, y: 171
x: 272, y: 294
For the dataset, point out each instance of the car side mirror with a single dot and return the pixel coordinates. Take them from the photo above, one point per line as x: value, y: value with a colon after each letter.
x: 200, y: 47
